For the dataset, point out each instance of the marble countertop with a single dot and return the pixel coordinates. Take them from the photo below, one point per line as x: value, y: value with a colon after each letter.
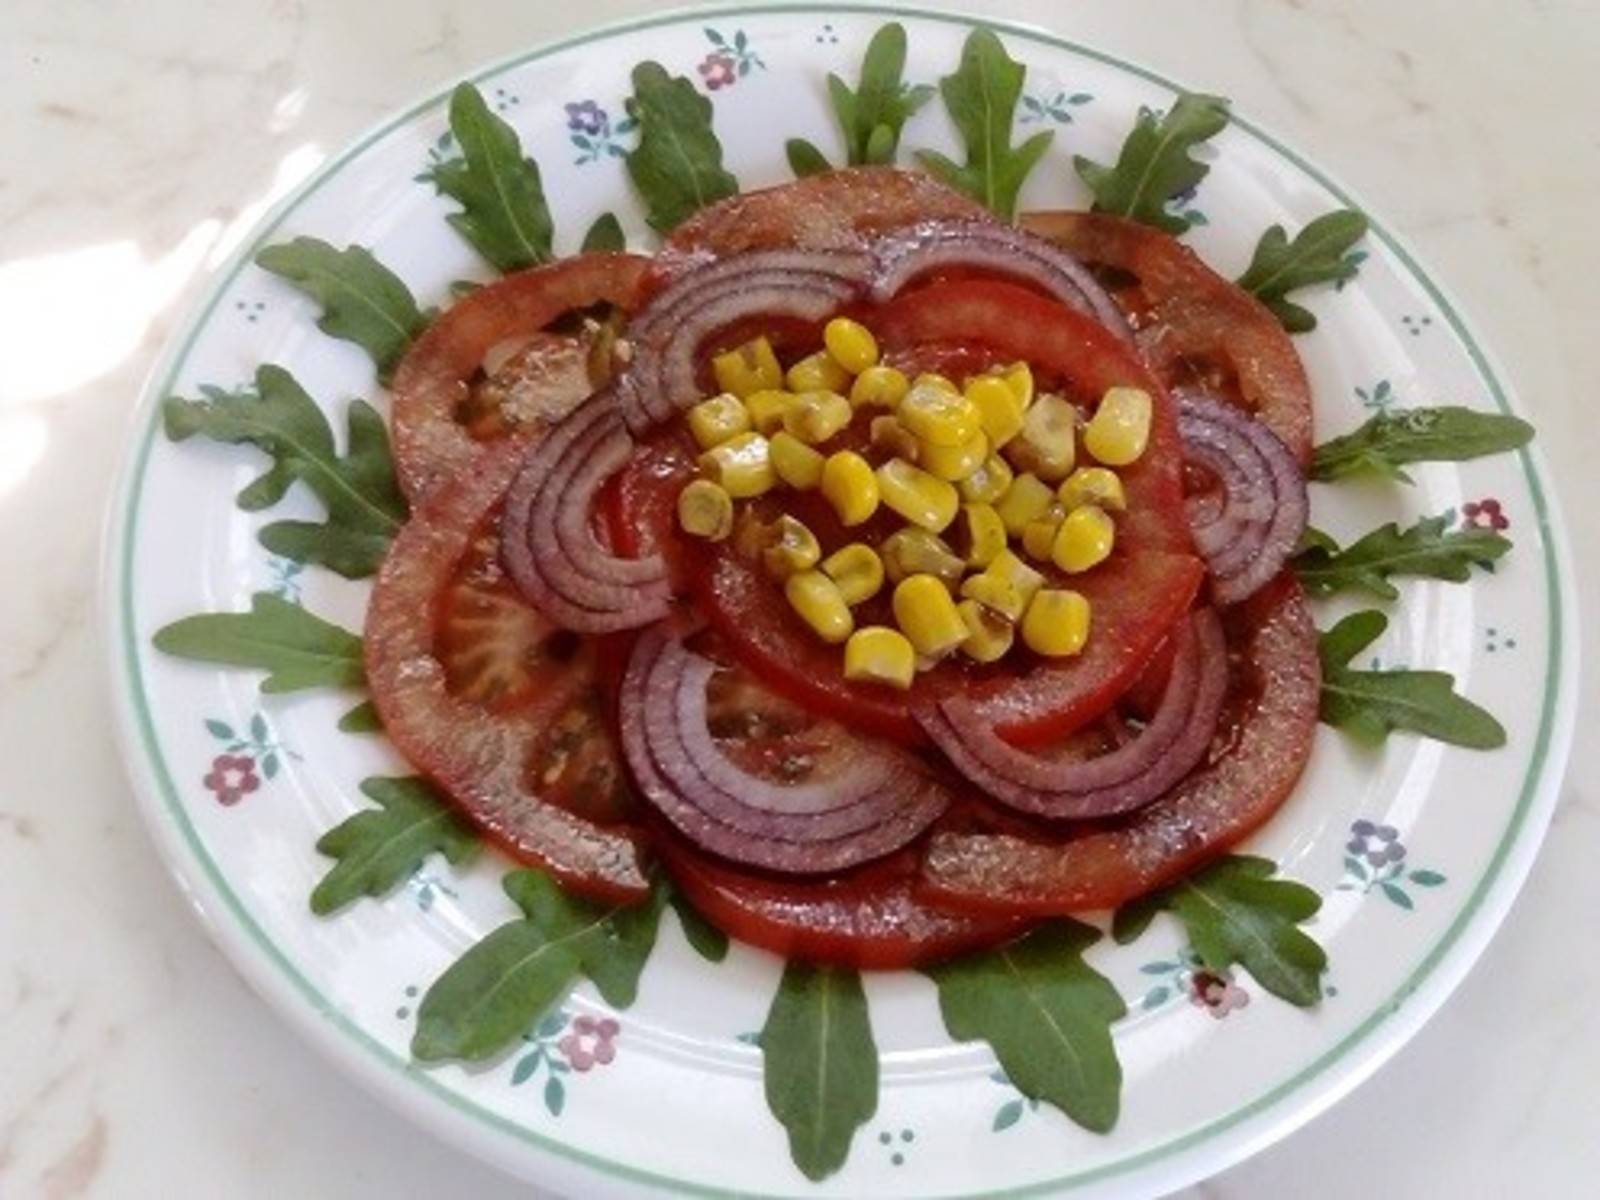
x: 141, y: 141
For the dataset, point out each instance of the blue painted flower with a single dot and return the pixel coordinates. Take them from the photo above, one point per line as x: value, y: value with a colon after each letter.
x: 1378, y: 844
x: 587, y: 117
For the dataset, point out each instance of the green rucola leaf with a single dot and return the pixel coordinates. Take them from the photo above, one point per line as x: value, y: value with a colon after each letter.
x: 1390, y: 441
x: 1369, y: 705
x: 677, y: 165
x: 1130, y: 921
x: 1320, y: 253
x: 804, y: 158
x: 379, y: 848
x: 1154, y: 164
x: 1426, y: 550
x: 362, y: 300
x: 872, y: 116
x: 503, y: 210
x: 364, y: 505
x: 1046, y: 1014
x: 981, y: 97
x: 820, y: 1064
x: 605, y: 234
x: 295, y: 648
x: 363, y: 718
x: 709, y: 942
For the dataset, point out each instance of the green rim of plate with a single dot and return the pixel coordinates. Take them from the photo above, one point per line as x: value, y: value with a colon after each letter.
x: 146, y: 728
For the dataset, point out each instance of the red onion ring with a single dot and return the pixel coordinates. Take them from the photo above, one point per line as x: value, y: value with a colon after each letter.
x: 1137, y: 773
x: 1264, y: 507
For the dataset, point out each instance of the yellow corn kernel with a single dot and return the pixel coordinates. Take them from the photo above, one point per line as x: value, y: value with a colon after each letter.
x: 816, y: 416
x: 1039, y: 535
x: 988, y: 636
x: 705, y: 510
x: 1020, y: 575
x: 1019, y: 378
x: 850, y: 486
x: 954, y: 463
x: 742, y: 465
x: 850, y: 344
x: 917, y: 496
x: 1093, y: 485
x: 1027, y: 499
x: 794, y: 462
x: 879, y: 387
x: 793, y: 548
x: 1120, y: 428
x: 767, y: 407
x: 940, y: 416
x: 878, y: 654
x: 934, y: 379
x: 998, y: 408
x: 856, y: 570
x: 909, y: 552
x: 926, y: 614
x: 1084, y: 539
x: 980, y: 534
x: 814, y: 596
x: 1056, y: 623
x: 1047, y: 444
x: 716, y: 420
x: 988, y: 483
x: 748, y: 369
x: 890, y: 437
x: 817, y: 373
x: 996, y: 593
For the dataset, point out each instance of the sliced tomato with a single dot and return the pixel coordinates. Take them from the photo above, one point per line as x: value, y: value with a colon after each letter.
x: 1257, y: 758
x: 1193, y: 326
x: 447, y: 404
x: 483, y: 696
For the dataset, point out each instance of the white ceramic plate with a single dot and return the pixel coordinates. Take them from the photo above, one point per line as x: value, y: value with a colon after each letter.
x: 679, y: 1107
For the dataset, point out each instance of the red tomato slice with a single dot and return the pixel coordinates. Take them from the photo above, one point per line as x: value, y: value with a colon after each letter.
x: 1193, y: 325
x: 447, y: 406
x: 485, y: 698
x: 1254, y: 765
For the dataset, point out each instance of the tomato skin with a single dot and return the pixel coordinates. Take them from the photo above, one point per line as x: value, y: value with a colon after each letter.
x: 1253, y: 767
x: 477, y: 755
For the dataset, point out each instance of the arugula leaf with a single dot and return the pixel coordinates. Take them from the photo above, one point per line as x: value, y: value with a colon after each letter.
x: 296, y: 648
x: 363, y: 718
x: 503, y: 210
x: 820, y: 1064
x: 1389, y: 441
x: 1047, y: 1015
x: 1235, y: 912
x: 1426, y: 550
x: 364, y: 505
x: 709, y: 942
x: 677, y: 165
x: 981, y: 97
x: 380, y: 847
x: 872, y: 116
x: 486, y: 999
x: 605, y: 234
x: 1154, y: 164
x: 1370, y: 704
x: 1320, y: 253
x: 362, y: 300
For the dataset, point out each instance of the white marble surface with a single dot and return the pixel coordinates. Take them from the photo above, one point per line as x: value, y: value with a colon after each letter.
x: 139, y: 140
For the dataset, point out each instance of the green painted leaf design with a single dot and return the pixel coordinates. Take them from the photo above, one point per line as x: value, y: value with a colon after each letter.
x: 525, y: 1068
x: 1398, y: 896
x: 555, y: 1095
x: 820, y: 1064
x: 362, y: 300
x: 1390, y: 441
x: 677, y: 165
x: 1426, y: 878
x: 605, y: 235
x: 379, y: 848
x: 1369, y: 705
x: 363, y: 718
x: 503, y: 210
x: 296, y: 648
x: 709, y: 942
x: 364, y: 505
x: 220, y: 729
x: 1047, y: 1015
x: 1319, y: 253
x: 1008, y: 1115
x: 1154, y: 164
x: 1429, y: 549
x: 981, y: 98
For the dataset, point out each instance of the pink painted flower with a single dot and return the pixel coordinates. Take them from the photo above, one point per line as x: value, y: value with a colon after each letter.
x: 718, y: 70
x: 232, y: 777
x: 1217, y: 993
x: 590, y: 1042
x: 1484, y: 514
